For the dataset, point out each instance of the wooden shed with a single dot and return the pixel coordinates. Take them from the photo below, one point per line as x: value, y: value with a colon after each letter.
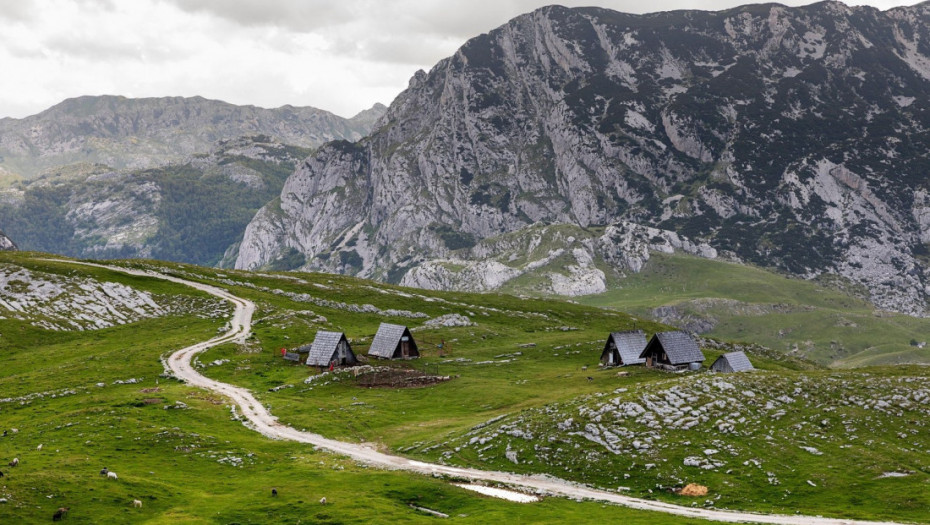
x: 331, y: 348
x: 393, y: 341
x: 732, y: 362
x: 672, y: 351
x: 623, y: 348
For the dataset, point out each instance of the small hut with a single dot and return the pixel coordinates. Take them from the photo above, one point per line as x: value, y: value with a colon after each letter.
x: 623, y: 348
x: 393, y: 341
x: 331, y: 348
x: 732, y: 362
x: 672, y: 351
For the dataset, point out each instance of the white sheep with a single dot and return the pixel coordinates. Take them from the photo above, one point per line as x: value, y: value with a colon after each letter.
x: 323, y: 501
x: 112, y: 475
x: 14, y: 462
x: 137, y: 503
x: 39, y: 447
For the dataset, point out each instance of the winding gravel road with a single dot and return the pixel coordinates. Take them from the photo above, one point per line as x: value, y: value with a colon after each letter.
x: 260, y: 420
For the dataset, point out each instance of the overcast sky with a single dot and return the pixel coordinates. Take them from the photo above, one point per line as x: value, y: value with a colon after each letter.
x: 342, y: 55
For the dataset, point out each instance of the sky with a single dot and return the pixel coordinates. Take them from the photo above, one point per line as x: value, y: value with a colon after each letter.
x: 342, y: 56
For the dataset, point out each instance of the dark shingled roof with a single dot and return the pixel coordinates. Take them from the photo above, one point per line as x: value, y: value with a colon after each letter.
x: 386, y: 340
x: 629, y: 345
x: 323, y: 348
x: 732, y: 362
x: 679, y: 347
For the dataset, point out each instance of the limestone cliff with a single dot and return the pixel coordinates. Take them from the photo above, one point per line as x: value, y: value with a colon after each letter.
x: 793, y: 138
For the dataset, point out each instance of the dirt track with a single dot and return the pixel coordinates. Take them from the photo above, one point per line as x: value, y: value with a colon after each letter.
x: 260, y: 420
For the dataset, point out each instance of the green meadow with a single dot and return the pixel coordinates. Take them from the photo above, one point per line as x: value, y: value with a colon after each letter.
x: 825, y: 321
x: 524, y: 365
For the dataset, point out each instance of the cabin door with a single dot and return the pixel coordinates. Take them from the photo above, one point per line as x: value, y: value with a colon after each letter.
x: 405, y: 347
x: 649, y: 361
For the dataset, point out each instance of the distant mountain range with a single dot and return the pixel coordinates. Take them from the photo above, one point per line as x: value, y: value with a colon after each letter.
x: 793, y: 138
x: 169, y: 178
x: 131, y: 133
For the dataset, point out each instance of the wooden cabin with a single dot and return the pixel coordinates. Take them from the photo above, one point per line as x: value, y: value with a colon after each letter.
x: 732, y: 362
x: 623, y: 348
x: 672, y: 351
x: 331, y: 348
x: 393, y: 341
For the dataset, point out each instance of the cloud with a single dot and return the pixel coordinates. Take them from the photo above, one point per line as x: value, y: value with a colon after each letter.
x: 342, y: 56
x: 299, y: 16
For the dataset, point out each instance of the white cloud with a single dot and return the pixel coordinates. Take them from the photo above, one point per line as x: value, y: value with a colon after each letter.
x: 342, y: 56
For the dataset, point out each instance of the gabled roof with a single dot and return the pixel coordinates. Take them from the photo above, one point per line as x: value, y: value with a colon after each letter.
x: 737, y: 361
x: 323, y: 348
x: 386, y: 340
x: 679, y: 347
x: 630, y: 345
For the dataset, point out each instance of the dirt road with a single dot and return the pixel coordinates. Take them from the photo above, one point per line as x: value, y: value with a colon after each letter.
x: 260, y: 420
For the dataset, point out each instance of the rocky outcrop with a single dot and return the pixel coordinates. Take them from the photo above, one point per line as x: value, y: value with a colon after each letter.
x: 559, y: 259
x: 786, y: 137
x: 6, y: 244
x: 126, y: 133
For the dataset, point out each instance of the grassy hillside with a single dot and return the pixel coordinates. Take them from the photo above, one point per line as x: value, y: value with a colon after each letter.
x: 516, y: 375
x: 815, y: 320
x: 178, y: 449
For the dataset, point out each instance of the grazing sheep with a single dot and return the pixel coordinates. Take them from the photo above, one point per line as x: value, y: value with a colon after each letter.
x: 590, y: 378
x: 39, y: 447
x: 1, y: 474
x: 14, y: 462
x: 584, y: 368
x: 59, y: 514
x: 112, y: 475
x: 274, y: 492
x: 137, y: 503
x: 323, y: 500
x: 103, y: 471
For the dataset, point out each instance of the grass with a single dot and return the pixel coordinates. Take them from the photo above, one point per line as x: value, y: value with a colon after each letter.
x: 751, y: 304
x: 169, y: 458
x: 178, y: 460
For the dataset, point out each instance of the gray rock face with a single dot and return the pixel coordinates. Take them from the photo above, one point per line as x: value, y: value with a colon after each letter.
x: 788, y: 137
x: 6, y: 244
x: 144, y: 133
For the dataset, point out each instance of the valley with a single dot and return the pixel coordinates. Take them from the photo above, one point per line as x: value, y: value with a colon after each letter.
x: 755, y: 177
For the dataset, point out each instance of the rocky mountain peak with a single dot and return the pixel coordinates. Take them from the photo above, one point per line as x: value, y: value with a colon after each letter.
x: 787, y: 137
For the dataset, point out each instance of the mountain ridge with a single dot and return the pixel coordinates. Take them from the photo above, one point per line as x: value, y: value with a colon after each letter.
x: 787, y: 137
x: 141, y: 133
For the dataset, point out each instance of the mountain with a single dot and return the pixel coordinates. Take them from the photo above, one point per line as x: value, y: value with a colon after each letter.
x: 191, y: 211
x: 793, y: 138
x: 142, y: 133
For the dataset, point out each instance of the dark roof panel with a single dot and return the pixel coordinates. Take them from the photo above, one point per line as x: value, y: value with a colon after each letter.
x: 680, y: 348
x: 323, y: 348
x: 737, y: 361
x: 630, y: 345
x: 386, y: 340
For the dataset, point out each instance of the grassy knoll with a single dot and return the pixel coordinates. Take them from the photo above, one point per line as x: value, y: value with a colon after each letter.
x: 746, y: 303
x: 178, y: 450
